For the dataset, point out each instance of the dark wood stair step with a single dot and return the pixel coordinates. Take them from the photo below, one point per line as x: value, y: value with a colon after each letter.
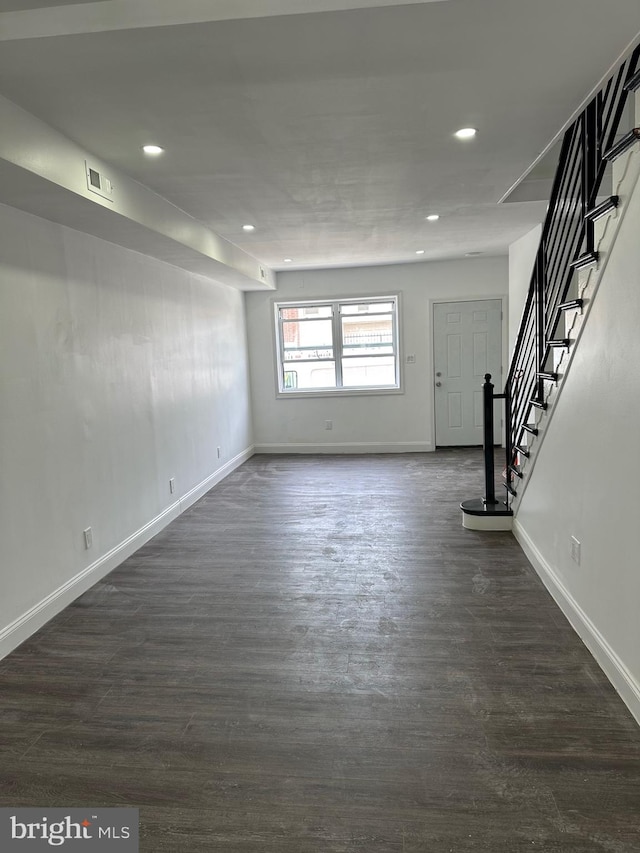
x: 620, y: 147
x: 539, y: 404
x: 633, y: 83
x: 571, y: 303
x: 603, y: 208
x: 586, y: 260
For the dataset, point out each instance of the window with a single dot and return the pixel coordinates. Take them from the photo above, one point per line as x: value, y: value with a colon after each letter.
x: 342, y: 345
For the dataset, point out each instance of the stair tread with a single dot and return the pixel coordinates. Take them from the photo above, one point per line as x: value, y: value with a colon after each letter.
x: 603, y: 208
x: 571, y: 303
x: 633, y: 82
x: 621, y: 146
x: 585, y: 260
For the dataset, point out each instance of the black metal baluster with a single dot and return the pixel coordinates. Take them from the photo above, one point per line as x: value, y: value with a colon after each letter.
x: 541, y: 341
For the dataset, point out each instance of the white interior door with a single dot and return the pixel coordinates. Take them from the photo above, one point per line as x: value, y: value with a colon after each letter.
x: 467, y: 341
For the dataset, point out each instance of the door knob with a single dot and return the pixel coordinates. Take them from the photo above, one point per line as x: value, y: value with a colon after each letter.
x: 438, y: 384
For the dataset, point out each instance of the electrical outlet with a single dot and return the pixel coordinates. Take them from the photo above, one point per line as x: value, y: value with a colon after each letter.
x: 88, y: 538
x: 411, y: 359
x: 218, y: 450
x: 328, y: 424
x: 172, y: 485
x: 575, y: 550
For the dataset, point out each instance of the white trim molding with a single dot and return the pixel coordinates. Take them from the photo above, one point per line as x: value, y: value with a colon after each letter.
x: 26, y: 625
x: 340, y: 349
x: 349, y: 447
x: 206, y: 485
x: 502, y: 521
x: 609, y: 661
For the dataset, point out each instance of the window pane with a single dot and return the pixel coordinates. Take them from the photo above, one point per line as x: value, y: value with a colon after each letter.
x: 364, y: 335
x: 367, y: 308
x: 306, y: 376
x: 307, y: 339
x: 368, y: 372
x: 303, y: 311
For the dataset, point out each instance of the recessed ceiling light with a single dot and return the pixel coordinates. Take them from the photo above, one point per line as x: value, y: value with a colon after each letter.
x: 420, y: 252
x: 288, y: 260
x: 248, y: 227
x: 433, y: 217
x: 466, y: 133
x: 152, y: 149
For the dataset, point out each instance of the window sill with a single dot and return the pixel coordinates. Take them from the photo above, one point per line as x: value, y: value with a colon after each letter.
x: 342, y: 392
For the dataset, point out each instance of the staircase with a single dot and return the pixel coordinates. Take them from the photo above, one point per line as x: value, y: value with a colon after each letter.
x: 599, y: 166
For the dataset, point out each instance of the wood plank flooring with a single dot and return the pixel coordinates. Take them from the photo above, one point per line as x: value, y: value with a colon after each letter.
x: 318, y: 658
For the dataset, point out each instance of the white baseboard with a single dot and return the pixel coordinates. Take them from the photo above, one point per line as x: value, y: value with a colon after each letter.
x: 349, y: 447
x: 205, y: 486
x: 22, y: 628
x: 610, y: 663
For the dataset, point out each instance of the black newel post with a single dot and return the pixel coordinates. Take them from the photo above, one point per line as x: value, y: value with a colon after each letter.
x: 487, y: 513
x: 489, y: 476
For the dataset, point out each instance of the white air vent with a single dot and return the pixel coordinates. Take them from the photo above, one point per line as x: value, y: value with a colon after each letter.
x: 98, y: 183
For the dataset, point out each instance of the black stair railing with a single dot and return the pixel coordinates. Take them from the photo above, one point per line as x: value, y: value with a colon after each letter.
x: 566, y: 244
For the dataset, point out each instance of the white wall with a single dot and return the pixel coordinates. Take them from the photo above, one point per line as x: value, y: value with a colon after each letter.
x: 117, y: 372
x: 376, y: 422
x: 522, y: 256
x: 586, y: 478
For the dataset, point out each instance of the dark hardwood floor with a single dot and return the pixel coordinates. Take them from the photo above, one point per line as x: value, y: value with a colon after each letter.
x: 318, y: 658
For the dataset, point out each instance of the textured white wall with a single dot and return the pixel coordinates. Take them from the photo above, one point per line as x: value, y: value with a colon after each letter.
x: 522, y: 256
x: 372, y: 422
x: 585, y: 481
x: 117, y: 372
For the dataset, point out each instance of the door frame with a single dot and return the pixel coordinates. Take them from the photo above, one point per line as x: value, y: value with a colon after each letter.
x: 504, y: 300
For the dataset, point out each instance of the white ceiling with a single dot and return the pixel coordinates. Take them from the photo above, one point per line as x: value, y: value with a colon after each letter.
x: 22, y: 5
x: 331, y: 130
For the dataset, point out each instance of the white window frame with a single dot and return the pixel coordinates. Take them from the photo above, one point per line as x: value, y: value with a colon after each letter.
x: 339, y: 389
